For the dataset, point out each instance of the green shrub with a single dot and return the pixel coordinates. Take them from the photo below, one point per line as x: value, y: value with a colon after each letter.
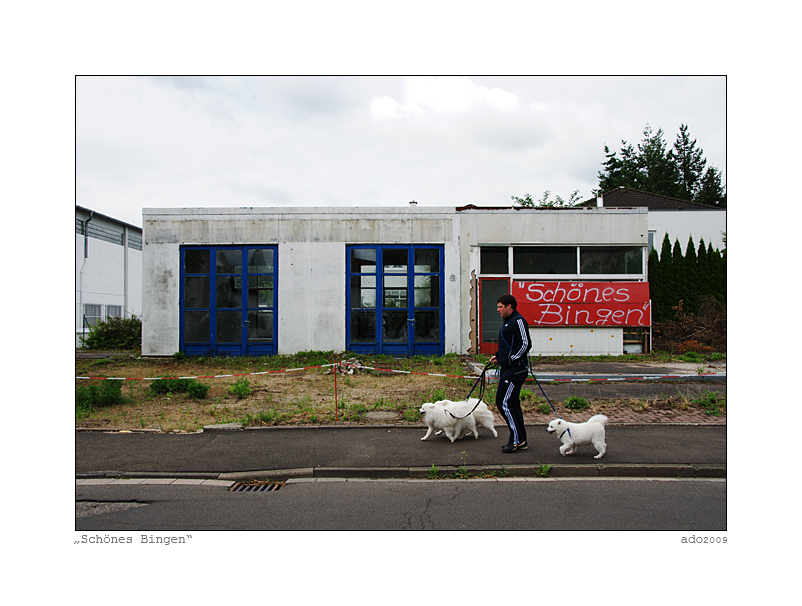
x: 576, y: 403
x: 114, y: 333
x: 240, y: 388
x: 194, y: 388
x: 106, y: 393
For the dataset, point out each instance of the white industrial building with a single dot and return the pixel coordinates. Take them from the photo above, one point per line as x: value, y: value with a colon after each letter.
x: 399, y: 281
x: 108, y: 269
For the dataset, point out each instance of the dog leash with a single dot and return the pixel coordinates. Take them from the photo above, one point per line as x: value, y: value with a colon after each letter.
x: 529, y: 361
x: 481, y: 382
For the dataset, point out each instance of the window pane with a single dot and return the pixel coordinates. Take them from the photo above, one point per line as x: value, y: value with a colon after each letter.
x: 394, y: 326
x: 229, y: 291
x: 114, y: 311
x: 363, y: 291
x: 611, y: 260
x: 91, y: 314
x: 196, y: 261
x: 363, y: 326
x: 260, y: 291
x: 427, y: 326
x: 427, y: 260
x: 229, y: 326
x: 363, y: 260
x: 427, y: 291
x: 395, y: 261
x: 494, y: 259
x: 395, y: 291
x: 196, y: 291
x: 260, y: 326
x: 260, y: 261
x: 544, y: 259
x: 491, y: 321
x: 196, y: 327
x: 229, y: 261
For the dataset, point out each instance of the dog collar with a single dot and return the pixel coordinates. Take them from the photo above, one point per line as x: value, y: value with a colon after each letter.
x: 567, y: 430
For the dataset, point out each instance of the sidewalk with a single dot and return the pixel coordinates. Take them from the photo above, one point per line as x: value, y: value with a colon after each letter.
x: 395, y: 452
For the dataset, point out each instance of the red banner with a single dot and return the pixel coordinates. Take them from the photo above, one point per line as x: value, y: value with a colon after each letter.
x: 584, y: 303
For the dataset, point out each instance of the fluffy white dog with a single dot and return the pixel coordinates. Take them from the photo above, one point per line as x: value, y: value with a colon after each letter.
x: 580, y: 434
x: 456, y: 420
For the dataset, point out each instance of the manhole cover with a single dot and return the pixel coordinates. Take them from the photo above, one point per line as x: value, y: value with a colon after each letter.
x: 382, y: 415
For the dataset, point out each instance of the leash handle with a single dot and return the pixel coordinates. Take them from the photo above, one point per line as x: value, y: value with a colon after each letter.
x: 480, y: 381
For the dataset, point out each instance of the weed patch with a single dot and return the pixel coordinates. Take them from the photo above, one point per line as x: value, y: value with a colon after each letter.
x: 576, y: 403
x: 194, y: 388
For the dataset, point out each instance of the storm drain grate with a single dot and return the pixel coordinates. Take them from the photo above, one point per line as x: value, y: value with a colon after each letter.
x: 256, y: 486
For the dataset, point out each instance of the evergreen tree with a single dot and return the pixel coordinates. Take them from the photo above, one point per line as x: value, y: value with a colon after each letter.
x: 716, y: 273
x: 711, y: 191
x: 657, y: 167
x: 690, y: 164
x: 678, y: 172
x: 620, y: 172
x: 655, y: 287
x: 667, y: 278
x: 703, y: 278
x: 680, y: 275
x: 692, y: 279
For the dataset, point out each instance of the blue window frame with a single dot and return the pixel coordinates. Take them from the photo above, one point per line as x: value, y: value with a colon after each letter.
x: 395, y: 299
x: 228, y: 300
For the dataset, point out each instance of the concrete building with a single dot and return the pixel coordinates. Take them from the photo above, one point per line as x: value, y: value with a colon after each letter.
x: 108, y: 269
x: 400, y: 281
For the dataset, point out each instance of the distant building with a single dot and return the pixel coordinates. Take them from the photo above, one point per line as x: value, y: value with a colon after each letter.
x: 679, y: 218
x: 108, y: 269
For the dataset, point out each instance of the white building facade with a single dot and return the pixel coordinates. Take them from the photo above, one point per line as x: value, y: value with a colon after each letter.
x: 108, y: 270
x: 398, y: 281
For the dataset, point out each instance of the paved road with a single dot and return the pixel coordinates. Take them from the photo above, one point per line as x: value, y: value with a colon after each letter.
x: 564, y: 504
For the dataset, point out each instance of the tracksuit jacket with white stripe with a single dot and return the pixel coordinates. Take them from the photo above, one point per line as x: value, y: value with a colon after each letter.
x: 513, y: 341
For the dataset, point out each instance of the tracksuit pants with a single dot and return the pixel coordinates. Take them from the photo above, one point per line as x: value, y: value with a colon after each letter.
x: 508, y: 401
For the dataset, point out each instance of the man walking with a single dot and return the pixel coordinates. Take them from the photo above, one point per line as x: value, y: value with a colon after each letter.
x: 513, y: 346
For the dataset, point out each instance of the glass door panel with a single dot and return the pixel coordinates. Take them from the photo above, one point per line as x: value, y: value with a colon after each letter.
x: 228, y: 300
x: 395, y: 299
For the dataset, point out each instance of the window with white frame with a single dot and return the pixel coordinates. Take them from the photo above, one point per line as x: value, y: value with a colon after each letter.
x: 92, y: 314
x: 114, y: 311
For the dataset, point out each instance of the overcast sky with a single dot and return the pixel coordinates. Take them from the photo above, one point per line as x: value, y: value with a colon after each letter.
x: 370, y: 141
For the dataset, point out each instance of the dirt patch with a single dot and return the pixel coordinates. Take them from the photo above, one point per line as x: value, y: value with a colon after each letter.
x: 307, y: 397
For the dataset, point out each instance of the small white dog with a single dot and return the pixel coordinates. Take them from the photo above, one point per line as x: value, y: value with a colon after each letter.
x: 456, y: 418
x: 580, y: 434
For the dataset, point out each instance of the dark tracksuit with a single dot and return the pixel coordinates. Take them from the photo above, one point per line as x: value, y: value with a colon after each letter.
x: 513, y: 346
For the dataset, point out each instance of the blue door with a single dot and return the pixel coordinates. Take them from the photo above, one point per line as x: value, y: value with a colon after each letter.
x: 395, y: 299
x: 227, y: 300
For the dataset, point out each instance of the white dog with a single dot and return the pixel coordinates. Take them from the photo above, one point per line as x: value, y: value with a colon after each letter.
x: 580, y: 434
x: 456, y: 418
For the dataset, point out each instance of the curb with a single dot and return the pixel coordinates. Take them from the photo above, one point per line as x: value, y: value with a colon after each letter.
x: 493, y: 472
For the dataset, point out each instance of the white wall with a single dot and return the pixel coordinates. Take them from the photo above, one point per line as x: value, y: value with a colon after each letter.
x: 311, y: 296
x: 682, y: 224
x: 100, y: 279
x: 577, y: 340
x: 160, y: 299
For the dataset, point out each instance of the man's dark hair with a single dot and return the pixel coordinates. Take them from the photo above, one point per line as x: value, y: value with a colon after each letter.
x: 508, y: 300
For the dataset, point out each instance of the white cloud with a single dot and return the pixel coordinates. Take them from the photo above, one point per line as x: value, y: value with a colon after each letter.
x: 365, y: 141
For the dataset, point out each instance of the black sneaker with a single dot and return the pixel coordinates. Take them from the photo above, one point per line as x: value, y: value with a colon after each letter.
x: 513, y: 447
